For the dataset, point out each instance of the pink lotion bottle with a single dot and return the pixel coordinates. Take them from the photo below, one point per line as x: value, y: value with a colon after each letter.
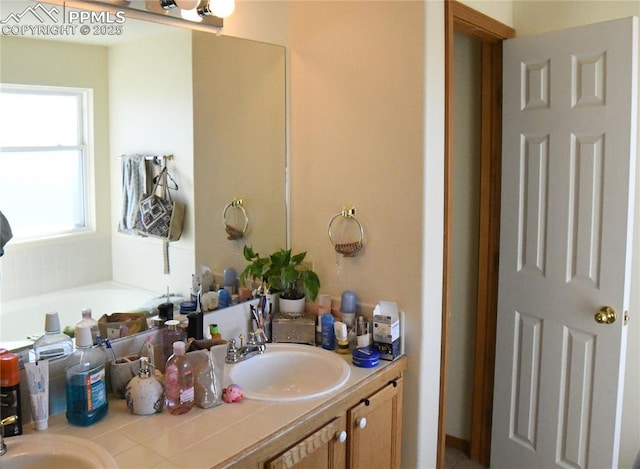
x: 178, y: 381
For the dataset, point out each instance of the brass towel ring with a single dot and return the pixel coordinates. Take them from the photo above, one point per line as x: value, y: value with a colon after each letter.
x: 233, y: 232
x: 352, y: 248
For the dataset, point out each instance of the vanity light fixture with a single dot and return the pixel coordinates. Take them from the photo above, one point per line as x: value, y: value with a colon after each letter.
x: 191, y: 15
x: 188, y: 8
x: 195, y: 10
x: 168, y: 4
x: 183, y: 4
x: 160, y: 11
x: 219, y: 8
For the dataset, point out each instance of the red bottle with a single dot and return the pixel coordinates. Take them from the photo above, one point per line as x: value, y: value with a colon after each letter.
x: 10, y: 392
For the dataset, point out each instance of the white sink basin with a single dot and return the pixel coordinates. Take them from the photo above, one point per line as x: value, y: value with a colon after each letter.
x: 55, y: 451
x: 289, y: 372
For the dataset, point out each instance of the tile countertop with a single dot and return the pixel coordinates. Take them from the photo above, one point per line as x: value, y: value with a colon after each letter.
x: 200, y: 438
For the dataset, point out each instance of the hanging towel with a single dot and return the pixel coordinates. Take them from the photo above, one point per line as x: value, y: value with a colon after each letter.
x: 134, y: 183
x: 5, y: 233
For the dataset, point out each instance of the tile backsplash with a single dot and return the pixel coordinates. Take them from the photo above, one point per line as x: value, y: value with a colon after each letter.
x: 36, y: 268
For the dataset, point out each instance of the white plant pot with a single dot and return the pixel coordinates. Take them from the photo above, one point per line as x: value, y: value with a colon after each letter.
x: 274, y: 301
x: 292, y: 307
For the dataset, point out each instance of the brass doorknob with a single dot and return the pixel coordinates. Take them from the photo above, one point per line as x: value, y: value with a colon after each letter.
x: 606, y: 315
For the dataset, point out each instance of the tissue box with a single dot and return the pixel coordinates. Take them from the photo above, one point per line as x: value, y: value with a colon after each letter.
x: 294, y: 329
x: 386, y: 329
x: 386, y: 336
x: 116, y: 325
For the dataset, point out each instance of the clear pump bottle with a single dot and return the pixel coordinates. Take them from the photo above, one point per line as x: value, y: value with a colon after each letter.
x: 179, y: 381
x: 86, y: 381
x: 170, y: 334
x: 53, y: 344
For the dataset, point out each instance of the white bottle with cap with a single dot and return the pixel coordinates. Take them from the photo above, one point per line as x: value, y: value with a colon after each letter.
x: 53, y: 344
x: 87, y: 320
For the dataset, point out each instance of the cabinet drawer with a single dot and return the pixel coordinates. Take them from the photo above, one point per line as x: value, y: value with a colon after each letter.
x: 325, y: 448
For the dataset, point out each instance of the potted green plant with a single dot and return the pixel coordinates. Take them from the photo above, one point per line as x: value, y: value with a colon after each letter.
x: 283, y: 271
x: 259, y: 268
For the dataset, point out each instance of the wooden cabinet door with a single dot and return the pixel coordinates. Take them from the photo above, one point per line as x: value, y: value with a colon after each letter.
x: 324, y: 449
x: 375, y: 429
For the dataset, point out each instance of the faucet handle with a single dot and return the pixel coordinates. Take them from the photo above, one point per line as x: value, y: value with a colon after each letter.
x: 252, y: 339
x: 8, y: 421
x: 260, y: 337
x: 5, y: 421
x: 259, y: 340
x: 232, y: 352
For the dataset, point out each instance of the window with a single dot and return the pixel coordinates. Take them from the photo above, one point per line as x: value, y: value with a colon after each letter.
x: 44, y: 156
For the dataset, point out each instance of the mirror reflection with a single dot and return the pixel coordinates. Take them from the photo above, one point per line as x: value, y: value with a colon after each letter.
x: 216, y: 103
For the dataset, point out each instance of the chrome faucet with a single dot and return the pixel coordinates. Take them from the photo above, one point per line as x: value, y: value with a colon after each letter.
x: 5, y: 421
x: 256, y: 344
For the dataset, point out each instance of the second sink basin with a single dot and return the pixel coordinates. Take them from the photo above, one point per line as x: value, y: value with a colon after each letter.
x: 53, y: 450
x: 289, y: 372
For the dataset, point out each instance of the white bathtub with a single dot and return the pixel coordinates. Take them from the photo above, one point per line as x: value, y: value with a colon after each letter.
x: 23, y: 318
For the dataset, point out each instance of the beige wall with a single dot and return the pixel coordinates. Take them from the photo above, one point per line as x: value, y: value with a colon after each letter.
x: 357, y: 117
x: 536, y: 16
x: 500, y: 10
x: 260, y: 20
x: 239, y: 146
x: 151, y: 111
x: 358, y: 139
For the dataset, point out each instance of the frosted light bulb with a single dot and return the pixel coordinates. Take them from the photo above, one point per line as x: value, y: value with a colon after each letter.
x: 191, y: 15
x: 222, y: 8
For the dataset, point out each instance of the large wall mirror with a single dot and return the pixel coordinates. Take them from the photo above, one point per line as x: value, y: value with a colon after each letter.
x: 216, y: 103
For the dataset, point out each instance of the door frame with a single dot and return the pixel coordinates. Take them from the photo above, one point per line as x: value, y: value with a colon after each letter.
x: 459, y: 17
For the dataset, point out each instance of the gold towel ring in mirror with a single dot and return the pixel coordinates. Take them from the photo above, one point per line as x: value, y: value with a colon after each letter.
x: 234, y: 232
x: 346, y: 249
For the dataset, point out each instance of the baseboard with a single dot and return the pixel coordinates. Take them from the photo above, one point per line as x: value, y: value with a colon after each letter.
x: 457, y: 443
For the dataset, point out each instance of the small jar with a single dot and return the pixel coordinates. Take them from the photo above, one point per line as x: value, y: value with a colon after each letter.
x: 215, y: 332
x: 224, y: 298
x: 165, y: 311
x: 187, y: 307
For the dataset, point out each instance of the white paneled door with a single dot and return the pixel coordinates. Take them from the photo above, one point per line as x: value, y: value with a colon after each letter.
x: 569, y: 146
